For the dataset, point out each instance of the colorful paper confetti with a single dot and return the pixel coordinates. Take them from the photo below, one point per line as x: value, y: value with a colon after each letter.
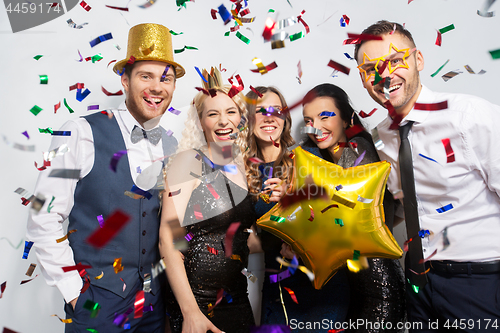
x: 115, y: 159
x: 444, y: 208
x: 117, y: 265
x: 100, y: 39
x: 112, y: 226
x: 450, y: 154
x: 62, y: 239
x: 339, y: 67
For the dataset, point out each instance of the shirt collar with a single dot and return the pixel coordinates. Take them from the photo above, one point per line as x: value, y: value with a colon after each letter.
x: 128, y: 119
x: 419, y: 116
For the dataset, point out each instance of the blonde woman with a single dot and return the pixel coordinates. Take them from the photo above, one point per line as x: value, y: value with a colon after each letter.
x: 206, y: 196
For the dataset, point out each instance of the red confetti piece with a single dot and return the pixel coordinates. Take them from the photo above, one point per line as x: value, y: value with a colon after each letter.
x: 227, y: 152
x: 26, y: 281
x: 214, y: 12
x: 173, y: 194
x: 54, y: 4
x: 124, y: 285
x: 268, y: 29
x: 383, y: 67
x: 362, y: 114
x: 112, y: 61
x: 2, y: 288
x: 76, y: 267
x: 220, y: 295
x: 303, y: 22
x: 421, y: 261
x: 431, y: 106
x: 277, y: 145
x: 57, y: 106
x: 212, y: 190
x: 396, y: 118
x: 212, y: 250
x: 329, y: 207
x: 139, y: 304
x: 336, y: 331
x: 353, y: 131
x: 256, y: 91
x: 77, y: 86
x: 228, y: 240
x: 85, y: 6
x: 131, y: 60
x: 86, y: 283
x: 255, y: 160
x: 346, y: 19
x: 125, y: 9
x: 438, y: 39
x: 197, y: 212
x: 269, y: 67
x: 339, y: 67
x: 450, y: 154
x: 112, y: 226
x: 311, y: 218
x: 44, y: 166
x: 107, y: 93
x: 292, y: 294
x: 364, y: 36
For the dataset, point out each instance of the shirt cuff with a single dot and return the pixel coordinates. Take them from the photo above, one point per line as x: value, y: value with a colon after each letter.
x: 70, y: 287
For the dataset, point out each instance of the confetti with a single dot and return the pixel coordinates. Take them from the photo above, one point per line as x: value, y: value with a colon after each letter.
x: 444, y: 208
x: 311, y: 130
x: 185, y: 48
x: 249, y: 275
x: 67, y: 106
x: 327, y: 114
x: 339, y: 222
x: 261, y: 68
x: 112, y: 226
x: 47, y: 130
x: 93, y: 107
x: 77, y: 267
x: 37, y: 57
x: 276, y: 144
x: 362, y: 114
x: 329, y: 207
x: 85, y: 6
x: 273, y: 278
x: 173, y: 194
x: 98, y: 277
x: 311, y: 218
x: 107, y: 93
x: 357, y: 38
x: 174, y: 111
x: 197, y: 212
x: 62, y: 239
x: 440, y: 68
x: 339, y: 67
x: 188, y: 236
x: 343, y: 201
x: 428, y: 158
x: 359, y: 159
x: 2, y: 288
x: 27, y: 248
x: 61, y: 133
x: 387, y: 85
x: 292, y: 294
x: 396, y: 118
x: 484, y: 12
x: 44, y: 79
x: 93, y: 307
x: 120, y: 319
x: 66, y: 321
x: 255, y: 160
x: 447, y: 28
x: 303, y: 269
x: 224, y: 14
x: 65, y: 173
x: 212, y: 191
x: 242, y: 37
x: 72, y: 24
x: 114, y: 160
x: 125, y: 9
x: 137, y: 190
x: 117, y: 265
x: 438, y: 39
x: 431, y: 106
x: 422, y: 233
x: 450, y: 154
x: 147, y: 4
x: 450, y: 75
x: 26, y: 281
x: 101, y: 39
x: 495, y: 54
x: 228, y: 240
x: 212, y: 250
x: 467, y: 67
x: 36, y: 110
x: 278, y: 219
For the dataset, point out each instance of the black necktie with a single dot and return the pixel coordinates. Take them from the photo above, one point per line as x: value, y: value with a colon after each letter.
x: 138, y: 134
x: 410, y: 208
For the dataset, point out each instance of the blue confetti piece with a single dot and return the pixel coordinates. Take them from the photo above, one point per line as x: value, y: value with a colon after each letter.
x: 27, y: 248
x: 444, y: 208
x: 342, y: 22
x: 423, y: 232
x: 430, y: 159
x: 121, y: 73
x: 294, y: 262
x: 61, y: 133
x: 327, y: 114
x: 360, y: 158
x: 338, y: 187
x: 126, y: 326
x: 348, y: 56
x: 137, y: 190
x: 81, y: 96
x: 228, y: 297
x: 138, y: 169
x: 199, y: 72
x: 225, y: 14
x: 100, y: 39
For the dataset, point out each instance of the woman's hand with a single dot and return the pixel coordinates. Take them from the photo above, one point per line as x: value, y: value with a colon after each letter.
x: 286, y: 251
x: 198, y: 323
x: 278, y: 188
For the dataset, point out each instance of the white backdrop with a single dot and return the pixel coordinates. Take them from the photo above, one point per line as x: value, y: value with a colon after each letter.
x: 27, y: 308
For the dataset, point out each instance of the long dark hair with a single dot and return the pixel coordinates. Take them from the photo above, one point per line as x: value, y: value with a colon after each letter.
x: 286, y: 140
x: 342, y: 102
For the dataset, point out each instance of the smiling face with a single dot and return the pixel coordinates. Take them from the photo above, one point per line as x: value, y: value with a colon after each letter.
x: 402, y: 66
x: 333, y: 127
x: 269, y: 125
x: 147, y: 97
x: 220, y: 117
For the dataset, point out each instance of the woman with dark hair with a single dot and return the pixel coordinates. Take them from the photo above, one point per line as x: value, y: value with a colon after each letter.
x: 377, y: 293
x: 269, y: 139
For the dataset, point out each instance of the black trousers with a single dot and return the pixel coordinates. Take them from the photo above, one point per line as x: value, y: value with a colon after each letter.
x: 455, y: 303
x: 112, y: 304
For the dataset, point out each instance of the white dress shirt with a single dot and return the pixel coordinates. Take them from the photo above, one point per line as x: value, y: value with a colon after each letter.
x: 471, y: 183
x: 44, y: 228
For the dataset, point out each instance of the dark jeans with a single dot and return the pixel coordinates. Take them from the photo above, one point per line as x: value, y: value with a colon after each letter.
x: 455, y: 303
x: 111, y: 304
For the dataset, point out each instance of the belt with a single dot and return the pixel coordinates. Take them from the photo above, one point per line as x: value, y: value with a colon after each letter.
x: 455, y: 267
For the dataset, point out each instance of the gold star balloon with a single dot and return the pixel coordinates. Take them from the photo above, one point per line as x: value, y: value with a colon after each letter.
x: 350, y: 224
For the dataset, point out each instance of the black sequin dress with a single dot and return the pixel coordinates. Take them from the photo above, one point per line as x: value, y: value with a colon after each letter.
x: 207, y: 272
x: 377, y: 293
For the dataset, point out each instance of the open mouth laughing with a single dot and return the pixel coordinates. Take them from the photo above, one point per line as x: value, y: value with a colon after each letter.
x: 223, y: 133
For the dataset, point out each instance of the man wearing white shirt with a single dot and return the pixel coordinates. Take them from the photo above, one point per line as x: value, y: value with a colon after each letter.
x: 119, y: 278
x: 443, y: 151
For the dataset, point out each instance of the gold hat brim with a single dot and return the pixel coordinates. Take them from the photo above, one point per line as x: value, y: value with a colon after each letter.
x: 150, y: 42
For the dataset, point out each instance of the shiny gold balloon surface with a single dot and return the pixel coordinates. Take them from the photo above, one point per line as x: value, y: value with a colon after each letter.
x: 353, y: 222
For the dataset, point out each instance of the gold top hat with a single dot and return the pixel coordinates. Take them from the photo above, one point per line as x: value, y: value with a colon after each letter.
x: 152, y: 42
